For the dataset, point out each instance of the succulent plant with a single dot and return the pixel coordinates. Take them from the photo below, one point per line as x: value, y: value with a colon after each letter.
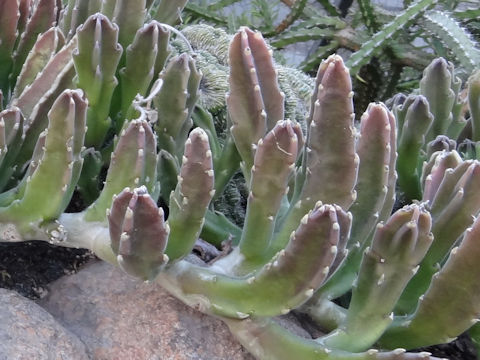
x: 95, y: 46
x: 318, y: 219
x: 441, y: 115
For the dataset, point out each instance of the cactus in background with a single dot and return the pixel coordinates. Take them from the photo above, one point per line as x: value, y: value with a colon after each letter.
x: 371, y: 29
x: 318, y: 219
x: 388, y: 40
x: 455, y: 38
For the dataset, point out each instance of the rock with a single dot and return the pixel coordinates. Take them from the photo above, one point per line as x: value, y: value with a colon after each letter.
x: 29, y: 332
x: 118, y: 317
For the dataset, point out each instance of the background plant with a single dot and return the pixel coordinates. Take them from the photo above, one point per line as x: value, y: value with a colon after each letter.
x: 384, y: 42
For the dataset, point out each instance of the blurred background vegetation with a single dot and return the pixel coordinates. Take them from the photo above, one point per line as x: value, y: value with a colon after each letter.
x: 386, y: 43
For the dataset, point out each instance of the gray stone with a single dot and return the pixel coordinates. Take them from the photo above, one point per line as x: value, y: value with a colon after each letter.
x: 28, y: 332
x: 118, y: 317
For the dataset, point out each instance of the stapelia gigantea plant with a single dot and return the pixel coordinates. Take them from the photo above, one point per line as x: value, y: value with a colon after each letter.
x: 428, y: 122
x: 110, y: 57
x: 441, y: 115
x: 317, y: 221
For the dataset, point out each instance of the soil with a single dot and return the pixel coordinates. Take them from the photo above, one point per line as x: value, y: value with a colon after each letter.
x: 29, y: 267
x: 460, y: 349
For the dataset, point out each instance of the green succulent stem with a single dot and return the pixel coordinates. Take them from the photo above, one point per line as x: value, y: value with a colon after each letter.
x: 474, y: 104
x: 269, y: 341
x: 56, y: 169
x: 417, y: 120
x: 458, y: 310
x: 9, y: 16
x: 96, y: 61
x: 219, y: 230
x: 192, y: 195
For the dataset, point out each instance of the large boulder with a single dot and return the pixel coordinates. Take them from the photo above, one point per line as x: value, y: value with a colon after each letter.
x: 29, y: 332
x: 118, y: 317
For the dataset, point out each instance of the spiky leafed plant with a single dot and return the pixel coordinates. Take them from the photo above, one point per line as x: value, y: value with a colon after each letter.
x: 388, y: 41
